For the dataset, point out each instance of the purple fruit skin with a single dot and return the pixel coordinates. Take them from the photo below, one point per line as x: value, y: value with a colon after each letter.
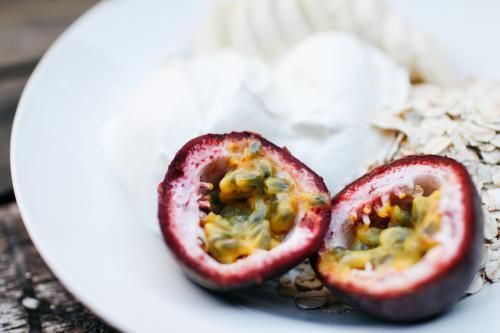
x: 316, y: 221
x: 438, y: 294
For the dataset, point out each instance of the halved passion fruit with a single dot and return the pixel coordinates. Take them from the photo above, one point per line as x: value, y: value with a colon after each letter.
x: 235, y: 209
x: 405, y: 240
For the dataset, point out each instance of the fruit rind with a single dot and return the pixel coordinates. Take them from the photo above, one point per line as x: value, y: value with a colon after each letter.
x: 435, y: 292
x: 176, y: 205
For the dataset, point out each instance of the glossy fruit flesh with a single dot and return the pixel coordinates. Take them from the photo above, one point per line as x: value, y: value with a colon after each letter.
x: 394, y: 236
x: 253, y: 206
x: 235, y: 210
x: 405, y: 241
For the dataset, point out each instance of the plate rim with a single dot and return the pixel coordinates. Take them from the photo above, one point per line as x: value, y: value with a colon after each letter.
x: 18, y: 192
x: 107, y: 316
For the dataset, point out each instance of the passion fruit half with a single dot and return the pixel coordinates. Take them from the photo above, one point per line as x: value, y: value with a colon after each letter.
x: 236, y: 209
x: 405, y: 240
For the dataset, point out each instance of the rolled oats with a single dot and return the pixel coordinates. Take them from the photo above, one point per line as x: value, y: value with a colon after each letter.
x: 491, y: 199
x: 436, y: 145
x: 492, y: 157
x: 310, y: 300
x: 287, y: 289
x: 476, y: 285
x: 492, y: 270
x: 496, y: 176
x: 470, y: 116
x: 462, y: 122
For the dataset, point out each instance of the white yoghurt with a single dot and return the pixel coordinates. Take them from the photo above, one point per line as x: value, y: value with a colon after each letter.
x: 268, y: 28
x: 317, y: 101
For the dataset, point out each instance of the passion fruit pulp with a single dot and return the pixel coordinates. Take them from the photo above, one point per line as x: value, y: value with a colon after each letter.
x: 405, y: 240
x: 235, y: 209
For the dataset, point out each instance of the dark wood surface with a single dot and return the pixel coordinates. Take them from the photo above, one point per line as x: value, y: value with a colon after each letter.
x: 27, y: 29
x: 31, y: 298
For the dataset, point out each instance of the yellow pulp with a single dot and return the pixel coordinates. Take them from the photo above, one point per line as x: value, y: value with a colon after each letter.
x: 405, y: 240
x: 253, y: 206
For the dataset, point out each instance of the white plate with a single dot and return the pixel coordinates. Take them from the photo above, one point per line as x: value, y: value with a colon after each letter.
x: 77, y: 215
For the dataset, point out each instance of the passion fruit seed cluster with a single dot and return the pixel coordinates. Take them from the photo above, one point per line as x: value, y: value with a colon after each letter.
x: 253, y: 206
x: 394, y: 236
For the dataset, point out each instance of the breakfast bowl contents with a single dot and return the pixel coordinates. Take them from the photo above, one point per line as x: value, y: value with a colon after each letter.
x: 405, y: 240
x: 230, y: 231
x: 235, y: 210
x: 270, y: 28
x: 346, y: 86
x: 322, y: 94
x: 462, y: 122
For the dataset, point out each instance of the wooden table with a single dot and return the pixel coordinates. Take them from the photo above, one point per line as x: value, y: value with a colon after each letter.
x: 31, y: 298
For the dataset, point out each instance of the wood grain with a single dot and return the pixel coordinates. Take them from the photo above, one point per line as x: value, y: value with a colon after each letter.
x: 10, y: 90
x: 31, y: 298
x: 27, y: 29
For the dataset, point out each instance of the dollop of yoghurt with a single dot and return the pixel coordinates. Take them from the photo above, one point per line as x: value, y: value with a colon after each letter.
x: 317, y: 101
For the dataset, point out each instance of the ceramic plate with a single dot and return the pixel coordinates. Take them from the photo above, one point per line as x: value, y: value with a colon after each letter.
x: 76, y: 212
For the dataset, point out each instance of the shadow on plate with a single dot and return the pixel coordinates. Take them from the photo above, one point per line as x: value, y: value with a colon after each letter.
x: 265, y: 298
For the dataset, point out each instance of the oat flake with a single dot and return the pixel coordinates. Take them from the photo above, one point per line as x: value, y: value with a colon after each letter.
x: 462, y: 122
x: 472, y: 136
